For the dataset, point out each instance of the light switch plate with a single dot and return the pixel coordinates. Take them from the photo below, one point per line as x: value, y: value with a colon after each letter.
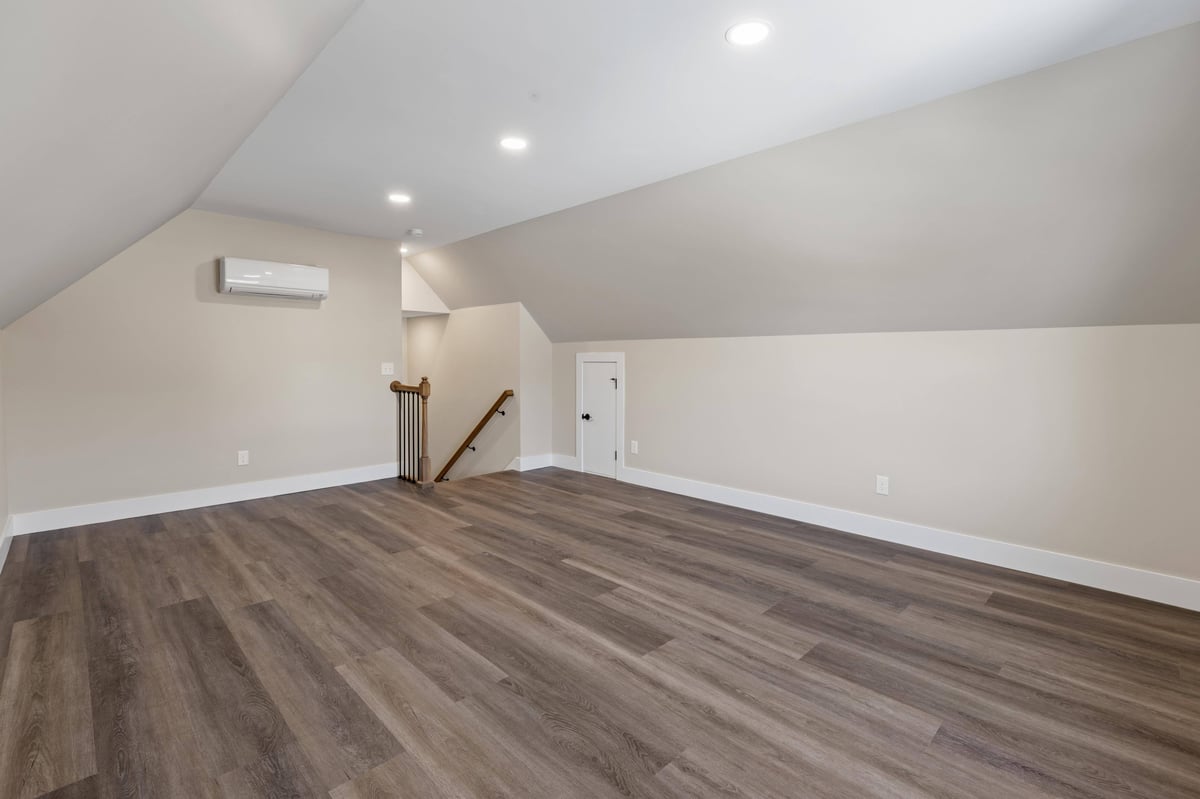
x: 633, y: 447
x: 387, y: 369
x: 243, y: 457
x: 882, y: 484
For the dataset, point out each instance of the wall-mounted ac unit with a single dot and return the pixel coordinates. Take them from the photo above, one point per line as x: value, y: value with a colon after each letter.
x: 246, y: 276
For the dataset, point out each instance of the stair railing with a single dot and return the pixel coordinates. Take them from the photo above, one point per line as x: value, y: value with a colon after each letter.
x: 413, y: 426
x: 470, y: 439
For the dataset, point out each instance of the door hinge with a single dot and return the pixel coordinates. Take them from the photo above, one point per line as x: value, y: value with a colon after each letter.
x: 614, y: 454
x: 614, y: 383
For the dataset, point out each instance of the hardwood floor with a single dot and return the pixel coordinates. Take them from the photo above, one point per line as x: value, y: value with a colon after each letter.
x: 550, y: 634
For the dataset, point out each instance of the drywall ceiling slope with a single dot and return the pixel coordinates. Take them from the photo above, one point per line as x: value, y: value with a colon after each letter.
x: 613, y: 94
x: 417, y: 299
x: 117, y: 114
x: 1065, y: 197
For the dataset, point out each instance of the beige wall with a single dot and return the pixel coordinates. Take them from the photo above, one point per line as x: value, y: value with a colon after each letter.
x: 535, y: 392
x: 142, y: 379
x: 1082, y: 441
x: 418, y: 297
x: 469, y: 356
x: 422, y: 337
x: 3, y: 448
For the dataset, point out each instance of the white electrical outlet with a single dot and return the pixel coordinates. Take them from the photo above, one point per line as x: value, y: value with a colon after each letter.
x: 243, y: 457
x: 633, y: 447
x: 881, y: 484
x: 387, y: 369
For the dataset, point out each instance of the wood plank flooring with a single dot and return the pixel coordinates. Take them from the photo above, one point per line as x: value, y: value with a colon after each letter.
x: 550, y: 634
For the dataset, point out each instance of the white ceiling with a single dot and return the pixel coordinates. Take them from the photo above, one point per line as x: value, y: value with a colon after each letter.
x: 1064, y: 197
x: 613, y: 94
x: 114, y: 115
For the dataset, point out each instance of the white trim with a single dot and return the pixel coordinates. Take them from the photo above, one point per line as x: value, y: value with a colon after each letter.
x: 95, y: 513
x: 6, y: 540
x: 565, y: 461
x: 1168, y: 589
x: 600, y: 357
x: 529, y: 462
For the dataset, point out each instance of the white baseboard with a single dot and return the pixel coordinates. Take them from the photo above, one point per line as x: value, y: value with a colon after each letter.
x: 564, y: 462
x: 95, y: 513
x: 529, y: 462
x: 1168, y: 589
x: 5, y: 540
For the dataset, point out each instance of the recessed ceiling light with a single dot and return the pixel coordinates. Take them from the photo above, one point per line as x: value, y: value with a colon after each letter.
x: 404, y: 249
x: 513, y: 143
x: 751, y: 31
x: 400, y: 199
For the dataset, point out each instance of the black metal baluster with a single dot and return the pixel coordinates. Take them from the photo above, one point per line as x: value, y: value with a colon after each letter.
x: 407, y: 437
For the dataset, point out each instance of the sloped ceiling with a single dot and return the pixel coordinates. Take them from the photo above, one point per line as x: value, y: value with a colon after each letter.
x: 1068, y: 196
x: 115, y: 115
x: 413, y: 97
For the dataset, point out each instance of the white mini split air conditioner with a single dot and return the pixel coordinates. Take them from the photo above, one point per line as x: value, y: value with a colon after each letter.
x: 267, y: 278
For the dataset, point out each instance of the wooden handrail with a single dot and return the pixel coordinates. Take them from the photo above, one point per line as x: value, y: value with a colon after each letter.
x: 487, y: 417
x: 399, y: 387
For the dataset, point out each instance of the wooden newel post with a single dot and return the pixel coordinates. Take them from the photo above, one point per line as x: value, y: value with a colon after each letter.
x: 425, y: 466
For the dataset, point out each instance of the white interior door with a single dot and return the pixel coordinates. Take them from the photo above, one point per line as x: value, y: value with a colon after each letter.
x: 598, y: 417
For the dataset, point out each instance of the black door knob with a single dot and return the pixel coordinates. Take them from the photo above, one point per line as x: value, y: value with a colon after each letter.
x: 587, y: 417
